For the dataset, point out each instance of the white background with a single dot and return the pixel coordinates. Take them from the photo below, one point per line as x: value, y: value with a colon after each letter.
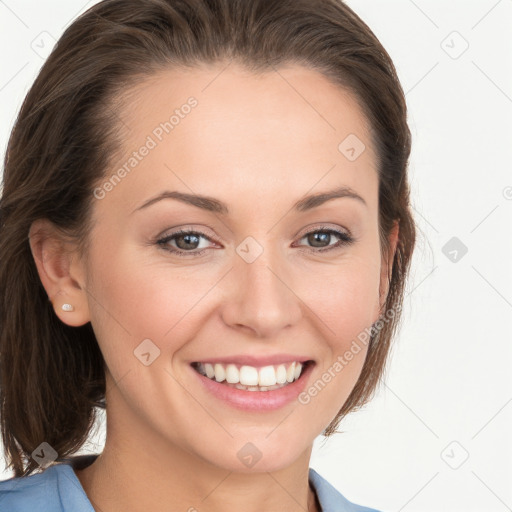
x: 448, y: 389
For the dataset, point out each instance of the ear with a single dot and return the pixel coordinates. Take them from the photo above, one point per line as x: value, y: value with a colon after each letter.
x: 61, y: 272
x: 387, y: 265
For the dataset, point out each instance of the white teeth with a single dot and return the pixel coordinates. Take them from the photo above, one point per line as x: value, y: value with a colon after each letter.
x: 298, y: 369
x: 232, y: 374
x: 290, y: 373
x: 210, y: 372
x: 281, y: 374
x: 220, y: 373
x: 267, y: 376
x: 255, y: 388
x: 249, y: 378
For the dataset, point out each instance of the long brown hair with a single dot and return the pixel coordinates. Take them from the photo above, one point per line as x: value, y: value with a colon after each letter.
x: 52, y: 375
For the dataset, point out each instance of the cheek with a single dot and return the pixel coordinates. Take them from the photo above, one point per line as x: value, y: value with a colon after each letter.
x: 136, y: 297
x: 344, y: 299
x: 344, y: 296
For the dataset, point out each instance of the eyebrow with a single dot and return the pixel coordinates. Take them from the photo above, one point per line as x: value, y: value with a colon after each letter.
x: 214, y: 205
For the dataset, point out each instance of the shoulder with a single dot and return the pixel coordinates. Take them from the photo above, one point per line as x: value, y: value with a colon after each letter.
x: 38, y: 491
x: 331, y: 500
x: 51, y: 490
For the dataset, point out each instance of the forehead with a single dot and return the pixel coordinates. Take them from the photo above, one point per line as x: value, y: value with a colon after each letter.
x: 282, y: 130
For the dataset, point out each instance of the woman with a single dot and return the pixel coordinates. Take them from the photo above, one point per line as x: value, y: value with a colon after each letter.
x: 205, y: 229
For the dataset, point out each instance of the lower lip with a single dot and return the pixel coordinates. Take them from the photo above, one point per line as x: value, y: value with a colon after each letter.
x: 256, y: 400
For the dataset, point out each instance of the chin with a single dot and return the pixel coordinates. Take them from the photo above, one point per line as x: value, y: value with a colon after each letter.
x: 258, y: 452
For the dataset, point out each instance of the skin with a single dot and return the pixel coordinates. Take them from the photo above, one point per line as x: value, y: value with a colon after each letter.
x: 259, y: 145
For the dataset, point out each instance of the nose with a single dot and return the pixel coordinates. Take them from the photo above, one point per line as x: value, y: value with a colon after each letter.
x: 261, y: 297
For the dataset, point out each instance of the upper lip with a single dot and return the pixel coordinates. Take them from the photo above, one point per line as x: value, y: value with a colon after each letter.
x: 256, y: 361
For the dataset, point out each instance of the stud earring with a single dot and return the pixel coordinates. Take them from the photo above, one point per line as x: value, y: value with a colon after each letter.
x: 67, y: 307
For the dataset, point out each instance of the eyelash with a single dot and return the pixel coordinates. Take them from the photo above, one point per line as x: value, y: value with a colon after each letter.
x: 345, y: 239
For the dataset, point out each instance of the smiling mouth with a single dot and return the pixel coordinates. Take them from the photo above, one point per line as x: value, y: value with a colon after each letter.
x: 251, y: 378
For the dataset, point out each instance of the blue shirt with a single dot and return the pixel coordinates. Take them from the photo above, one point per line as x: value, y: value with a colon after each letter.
x: 58, y: 489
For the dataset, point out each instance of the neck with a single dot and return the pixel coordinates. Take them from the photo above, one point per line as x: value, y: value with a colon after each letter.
x: 136, y: 472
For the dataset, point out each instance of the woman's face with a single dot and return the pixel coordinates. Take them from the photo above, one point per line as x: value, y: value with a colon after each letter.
x: 254, y: 285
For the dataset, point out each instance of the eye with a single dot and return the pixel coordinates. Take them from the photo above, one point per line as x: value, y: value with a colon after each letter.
x: 323, y: 235
x: 187, y: 243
